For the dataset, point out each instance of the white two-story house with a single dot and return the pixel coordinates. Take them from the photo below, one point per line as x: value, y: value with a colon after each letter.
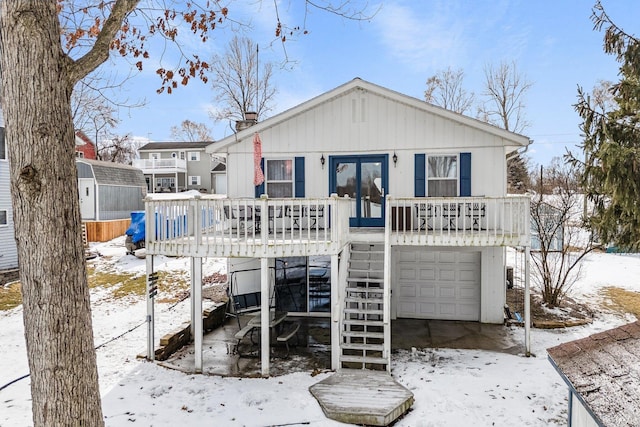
x: 374, y: 206
x: 171, y: 167
x: 8, y: 249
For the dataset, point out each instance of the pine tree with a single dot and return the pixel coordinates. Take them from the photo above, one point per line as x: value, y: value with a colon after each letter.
x: 611, y: 146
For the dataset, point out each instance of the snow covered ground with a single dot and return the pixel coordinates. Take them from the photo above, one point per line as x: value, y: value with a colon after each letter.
x: 451, y: 387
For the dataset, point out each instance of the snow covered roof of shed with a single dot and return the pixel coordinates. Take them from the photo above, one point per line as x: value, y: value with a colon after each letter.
x: 604, y: 371
x: 109, y: 173
x: 517, y: 140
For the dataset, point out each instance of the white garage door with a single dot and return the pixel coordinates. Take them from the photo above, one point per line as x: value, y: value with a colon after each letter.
x: 437, y: 284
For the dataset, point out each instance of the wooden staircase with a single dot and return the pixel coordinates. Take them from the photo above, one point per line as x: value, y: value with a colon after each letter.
x: 362, y: 341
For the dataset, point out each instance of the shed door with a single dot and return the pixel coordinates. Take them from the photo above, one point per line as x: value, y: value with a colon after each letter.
x: 87, y: 198
x: 437, y: 284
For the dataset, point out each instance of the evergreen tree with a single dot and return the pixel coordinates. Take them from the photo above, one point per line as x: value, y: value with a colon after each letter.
x: 611, y: 146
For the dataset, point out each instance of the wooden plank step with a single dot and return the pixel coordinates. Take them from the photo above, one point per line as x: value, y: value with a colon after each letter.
x: 363, y: 334
x: 362, y: 346
x: 368, y: 359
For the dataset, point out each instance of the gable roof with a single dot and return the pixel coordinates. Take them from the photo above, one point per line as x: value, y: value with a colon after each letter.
x: 174, y: 145
x: 604, y: 371
x: 112, y: 173
x: 359, y: 84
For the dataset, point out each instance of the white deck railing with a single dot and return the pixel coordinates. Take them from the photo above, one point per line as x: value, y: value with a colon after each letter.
x: 160, y: 164
x: 460, y: 221
x: 208, y: 226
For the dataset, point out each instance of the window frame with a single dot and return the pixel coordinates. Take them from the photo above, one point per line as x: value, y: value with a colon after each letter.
x: 6, y: 218
x: 168, y: 179
x: 3, y: 143
x: 291, y: 181
x: 198, y: 179
x: 190, y: 156
x: 429, y: 178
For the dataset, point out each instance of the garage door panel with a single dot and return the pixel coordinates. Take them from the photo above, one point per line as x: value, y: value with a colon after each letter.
x: 427, y: 291
x: 427, y: 274
x: 449, y: 257
x: 408, y: 290
x: 408, y: 274
x: 447, y: 292
x: 447, y: 285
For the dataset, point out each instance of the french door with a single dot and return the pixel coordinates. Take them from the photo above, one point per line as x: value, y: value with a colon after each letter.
x: 364, y: 180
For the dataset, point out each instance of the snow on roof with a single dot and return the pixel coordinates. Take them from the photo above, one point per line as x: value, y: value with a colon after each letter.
x: 604, y: 370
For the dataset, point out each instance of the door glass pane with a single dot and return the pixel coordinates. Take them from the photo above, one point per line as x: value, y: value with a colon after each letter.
x: 346, y: 182
x: 371, y: 191
x: 291, y: 284
x: 320, y: 283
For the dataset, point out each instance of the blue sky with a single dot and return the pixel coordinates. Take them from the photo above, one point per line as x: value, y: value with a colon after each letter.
x: 552, y: 42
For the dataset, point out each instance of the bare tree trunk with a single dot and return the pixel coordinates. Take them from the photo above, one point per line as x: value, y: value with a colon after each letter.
x: 36, y: 91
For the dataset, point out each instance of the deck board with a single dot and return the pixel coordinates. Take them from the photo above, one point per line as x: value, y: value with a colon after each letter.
x: 360, y: 396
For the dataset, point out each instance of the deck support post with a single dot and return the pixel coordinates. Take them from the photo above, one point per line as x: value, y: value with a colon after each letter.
x: 264, y: 316
x: 151, y: 354
x: 386, y: 298
x: 527, y: 302
x: 336, y: 307
x: 196, y: 310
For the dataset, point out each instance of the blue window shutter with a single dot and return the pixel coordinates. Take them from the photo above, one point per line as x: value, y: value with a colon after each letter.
x: 299, y: 178
x: 420, y: 176
x: 465, y: 174
x: 260, y: 188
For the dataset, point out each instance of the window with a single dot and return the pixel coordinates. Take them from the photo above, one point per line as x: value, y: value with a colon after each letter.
x: 154, y: 156
x: 174, y: 155
x: 279, y: 178
x: 182, y: 155
x: 3, y: 148
x: 79, y: 154
x: 3, y: 218
x: 194, y: 180
x: 194, y: 156
x: 165, y: 183
x: 442, y: 176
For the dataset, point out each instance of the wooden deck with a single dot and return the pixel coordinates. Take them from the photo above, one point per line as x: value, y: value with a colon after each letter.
x: 362, y: 397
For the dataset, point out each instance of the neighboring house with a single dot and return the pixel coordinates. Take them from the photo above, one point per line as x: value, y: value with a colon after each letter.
x: 85, y: 148
x: 548, y: 223
x: 603, y: 375
x: 375, y: 206
x: 171, y: 167
x: 8, y: 249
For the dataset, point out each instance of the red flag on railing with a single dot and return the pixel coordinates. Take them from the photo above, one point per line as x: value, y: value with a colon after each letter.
x: 258, y: 176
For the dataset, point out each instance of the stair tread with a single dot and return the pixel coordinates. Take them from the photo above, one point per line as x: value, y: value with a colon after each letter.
x: 363, y: 311
x: 366, y: 359
x: 363, y: 289
x: 362, y: 346
x: 363, y: 322
x: 364, y: 300
x: 363, y: 334
x: 365, y: 279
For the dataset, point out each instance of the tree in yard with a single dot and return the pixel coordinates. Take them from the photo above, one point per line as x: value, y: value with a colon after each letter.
x: 237, y: 85
x: 503, y: 106
x: 191, y: 131
x: 560, y: 241
x: 611, y: 146
x: 47, y: 47
x: 117, y: 149
x: 445, y: 89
